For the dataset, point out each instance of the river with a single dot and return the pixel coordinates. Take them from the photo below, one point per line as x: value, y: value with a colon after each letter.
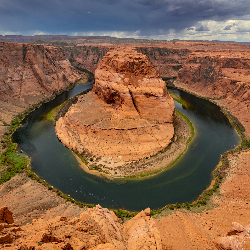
x: 51, y: 161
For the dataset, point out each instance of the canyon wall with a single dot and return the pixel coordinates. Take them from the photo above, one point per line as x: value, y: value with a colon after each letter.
x: 223, y: 76
x: 29, y: 74
x: 167, y: 57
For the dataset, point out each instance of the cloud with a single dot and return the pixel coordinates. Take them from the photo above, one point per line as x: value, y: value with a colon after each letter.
x: 228, y: 27
x: 202, y: 28
x: 153, y: 18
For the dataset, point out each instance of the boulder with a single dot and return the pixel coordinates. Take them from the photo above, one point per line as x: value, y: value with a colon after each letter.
x: 6, y: 216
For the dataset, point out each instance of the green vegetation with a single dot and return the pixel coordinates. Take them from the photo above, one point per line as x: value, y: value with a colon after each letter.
x: 121, y: 213
x: 54, y: 113
x: 177, y: 98
x: 14, y: 163
x: 80, y: 157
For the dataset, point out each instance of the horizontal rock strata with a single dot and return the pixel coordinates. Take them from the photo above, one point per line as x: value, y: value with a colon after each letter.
x: 223, y: 76
x: 30, y: 74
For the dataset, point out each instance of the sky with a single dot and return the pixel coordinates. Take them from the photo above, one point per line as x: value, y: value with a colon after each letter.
x: 225, y: 20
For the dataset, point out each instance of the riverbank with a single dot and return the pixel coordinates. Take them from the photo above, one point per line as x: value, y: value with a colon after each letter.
x: 11, y: 162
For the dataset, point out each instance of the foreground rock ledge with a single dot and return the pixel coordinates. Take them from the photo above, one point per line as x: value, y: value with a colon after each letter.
x: 128, y: 115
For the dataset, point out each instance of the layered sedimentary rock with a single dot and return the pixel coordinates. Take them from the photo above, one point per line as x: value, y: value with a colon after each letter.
x: 97, y: 228
x: 127, y: 116
x: 167, y: 57
x: 223, y: 76
x: 28, y: 75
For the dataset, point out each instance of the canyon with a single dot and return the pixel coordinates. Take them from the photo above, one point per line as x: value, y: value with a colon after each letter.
x: 217, y: 71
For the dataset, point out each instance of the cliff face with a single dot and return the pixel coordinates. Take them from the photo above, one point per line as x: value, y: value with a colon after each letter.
x: 128, y: 116
x: 223, y: 76
x: 30, y: 74
x: 86, y: 56
x: 166, y: 58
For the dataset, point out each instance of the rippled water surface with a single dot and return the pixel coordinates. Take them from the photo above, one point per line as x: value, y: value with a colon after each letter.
x: 184, y: 182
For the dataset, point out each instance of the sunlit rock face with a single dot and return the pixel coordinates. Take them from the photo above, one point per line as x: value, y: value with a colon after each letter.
x: 127, y: 116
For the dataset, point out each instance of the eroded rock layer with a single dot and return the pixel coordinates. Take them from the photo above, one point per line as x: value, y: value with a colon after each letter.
x: 223, y: 76
x: 127, y: 116
x: 28, y: 75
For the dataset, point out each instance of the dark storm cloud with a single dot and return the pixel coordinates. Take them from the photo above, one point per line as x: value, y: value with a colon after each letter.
x: 148, y: 16
x: 228, y: 27
x: 202, y: 28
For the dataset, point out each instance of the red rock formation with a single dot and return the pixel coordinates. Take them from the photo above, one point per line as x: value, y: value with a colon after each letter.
x: 6, y: 216
x: 128, y: 80
x: 235, y: 238
x: 167, y: 57
x: 97, y: 228
x: 141, y: 231
x: 180, y: 230
x: 30, y: 74
x: 223, y: 76
x: 128, y: 116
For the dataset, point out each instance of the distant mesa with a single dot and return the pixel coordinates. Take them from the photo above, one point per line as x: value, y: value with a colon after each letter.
x: 126, y: 117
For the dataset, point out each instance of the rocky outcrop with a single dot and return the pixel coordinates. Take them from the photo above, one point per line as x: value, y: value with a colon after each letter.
x: 6, y: 215
x: 127, y: 116
x: 128, y: 81
x: 141, y: 231
x: 97, y: 228
x: 28, y: 75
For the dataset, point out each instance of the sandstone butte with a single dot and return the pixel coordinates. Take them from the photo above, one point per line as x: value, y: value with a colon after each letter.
x: 127, y: 116
x: 43, y: 220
